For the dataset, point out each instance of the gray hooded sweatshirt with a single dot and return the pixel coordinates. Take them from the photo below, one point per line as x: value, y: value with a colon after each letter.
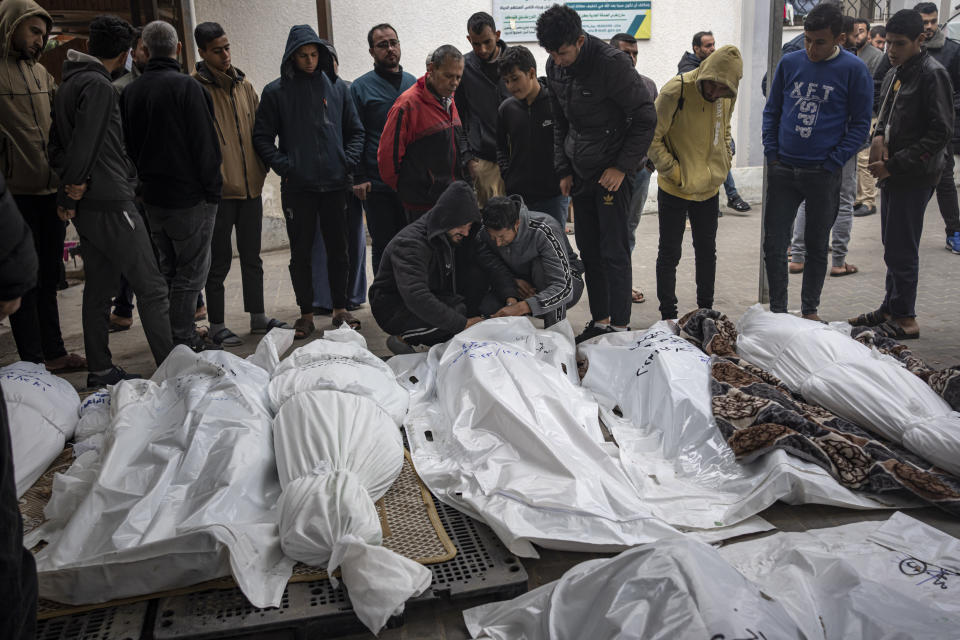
x: 540, y: 236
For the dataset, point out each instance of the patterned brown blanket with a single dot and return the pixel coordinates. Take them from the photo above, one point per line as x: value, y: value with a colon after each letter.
x: 756, y: 413
x: 945, y: 382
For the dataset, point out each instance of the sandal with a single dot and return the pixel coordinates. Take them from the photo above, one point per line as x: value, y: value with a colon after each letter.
x: 272, y: 323
x: 69, y: 363
x: 869, y: 319
x: 346, y: 318
x: 796, y: 267
x: 303, y: 328
x: 636, y: 296
x: 891, y: 329
x: 845, y: 270
x: 226, y: 338
x: 119, y: 323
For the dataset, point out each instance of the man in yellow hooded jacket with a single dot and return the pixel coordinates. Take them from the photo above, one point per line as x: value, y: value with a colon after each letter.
x: 691, y: 152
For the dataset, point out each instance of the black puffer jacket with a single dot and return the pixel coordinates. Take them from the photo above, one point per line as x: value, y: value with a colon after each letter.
x: 688, y: 62
x: 419, y: 266
x: 478, y: 98
x: 604, y: 114
x: 944, y: 50
x: 920, y: 116
x: 315, y: 119
x: 18, y: 258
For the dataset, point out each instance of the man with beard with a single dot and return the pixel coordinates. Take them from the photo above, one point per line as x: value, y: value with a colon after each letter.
x: 374, y: 94
x: 139, y: 59
x: 946, y: 51
x: 478, y: 97
x: 27, y: 91
x: 415, y: 297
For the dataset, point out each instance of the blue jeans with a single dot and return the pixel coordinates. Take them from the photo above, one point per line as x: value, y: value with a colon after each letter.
x: 555, y: 207
x: 641, y: 187
x: 730, y: 187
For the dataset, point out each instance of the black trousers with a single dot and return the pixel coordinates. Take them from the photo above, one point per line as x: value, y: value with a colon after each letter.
x: 396, y: 319
x: 901, y: 224
x: 115, y: 243
x: 303, y: 211
x: 604, y: 243
x: 18, y: 573
x: 385, y: 217
x: 787, y: 187
x: 246, y: 216
x: 36, y: 325
x: 673, y: 213
x: 947, y: 196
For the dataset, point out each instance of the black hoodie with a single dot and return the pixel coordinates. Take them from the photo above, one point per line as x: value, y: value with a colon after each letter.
x: 170, y: 135
x: 478, y: 98
x: 321, y: 136
x: 525, y: 147
x: 419, y: 265
x: 86, y: 139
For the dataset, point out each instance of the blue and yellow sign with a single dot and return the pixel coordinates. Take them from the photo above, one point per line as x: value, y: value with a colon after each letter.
x: 602, y: 18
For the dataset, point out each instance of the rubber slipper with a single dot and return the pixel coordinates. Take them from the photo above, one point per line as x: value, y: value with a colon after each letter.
x: 891, y: 329
x: 226, y: 338
x: 848, y: 270
x: 71, y: 363
x: 303, y: 328
x: 347, y: 318
x: 869, y: 319
x: 636, y: 297
x: 272, y: 323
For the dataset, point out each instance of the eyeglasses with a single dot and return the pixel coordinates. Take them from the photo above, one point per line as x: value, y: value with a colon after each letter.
x: 387, y: 44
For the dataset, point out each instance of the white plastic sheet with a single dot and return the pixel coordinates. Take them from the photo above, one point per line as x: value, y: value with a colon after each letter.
x: 184, y: 490
x: 43, y: 411
x: 853, y: 381
x: 338, y: 449
x: 498, y: 429
x: 669, y: 443
x: 671, y: 589
x: 880, y: 580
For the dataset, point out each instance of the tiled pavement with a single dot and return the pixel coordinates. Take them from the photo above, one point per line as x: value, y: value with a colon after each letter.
x: 738, y: 242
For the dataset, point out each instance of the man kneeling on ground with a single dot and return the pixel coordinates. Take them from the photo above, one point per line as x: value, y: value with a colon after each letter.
x: 535, y: 248
x: 416, y: 296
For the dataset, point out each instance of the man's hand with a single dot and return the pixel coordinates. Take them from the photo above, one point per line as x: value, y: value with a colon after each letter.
x: 75, y: 191
x: 524, y: 288
x: 611, y: 179
x: 518, y: 309
x: 9, y: 307
x: 473, y: 166
x: 472, y: 321
x: 361, y: 190
x: 878, y: 150
x: 66, y: 214
x: 566, y: 184
x: 878, y: 169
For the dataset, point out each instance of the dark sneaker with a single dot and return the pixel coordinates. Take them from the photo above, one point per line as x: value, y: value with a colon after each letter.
x: 113, y: 376
x: 593, y: 330
x: 863, y: 210
x: 738, y: 204
x: 953, y: 242
x: 398, y: 346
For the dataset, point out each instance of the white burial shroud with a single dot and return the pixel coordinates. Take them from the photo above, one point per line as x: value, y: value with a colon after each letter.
x: 339, y: 449
x: 872, y: 390
x: 500, y: 429
x: 181, y: 489
x: 670, y: 445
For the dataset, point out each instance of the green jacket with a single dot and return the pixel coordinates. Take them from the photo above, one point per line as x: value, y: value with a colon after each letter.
x: 26, y: 99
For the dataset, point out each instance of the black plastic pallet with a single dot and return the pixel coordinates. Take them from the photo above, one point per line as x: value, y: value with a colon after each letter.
x: 125, y: 622
x: 482, y: 567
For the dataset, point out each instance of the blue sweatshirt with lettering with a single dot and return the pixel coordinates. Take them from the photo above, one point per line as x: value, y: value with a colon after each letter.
x: 817, y: 113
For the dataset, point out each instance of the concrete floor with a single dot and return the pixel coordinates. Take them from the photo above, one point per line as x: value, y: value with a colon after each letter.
x: 738, y: 243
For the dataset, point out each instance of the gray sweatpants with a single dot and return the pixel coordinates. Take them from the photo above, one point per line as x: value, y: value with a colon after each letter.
x: 842, y: 228
x: 114, y: 243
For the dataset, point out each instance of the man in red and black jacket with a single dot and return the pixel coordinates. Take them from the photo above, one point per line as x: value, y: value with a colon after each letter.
x: 422, y: 148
